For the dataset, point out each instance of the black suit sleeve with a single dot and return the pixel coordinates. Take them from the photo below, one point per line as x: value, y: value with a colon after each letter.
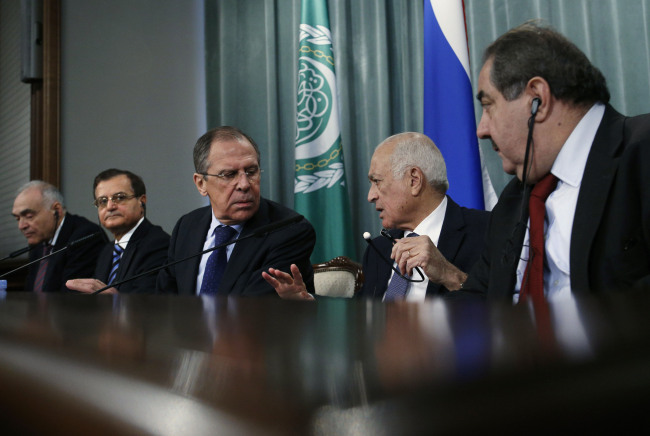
x: 277, y: 250
x: 80, y: 260
x: 165, y: 282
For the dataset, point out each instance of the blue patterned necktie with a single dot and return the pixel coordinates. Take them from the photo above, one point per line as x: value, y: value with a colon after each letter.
x: 217, y: 261
x: 398, y: 285
x: 117, y: 255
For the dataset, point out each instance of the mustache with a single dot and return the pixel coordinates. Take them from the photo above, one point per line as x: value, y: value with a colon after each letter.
x: 244, y: 198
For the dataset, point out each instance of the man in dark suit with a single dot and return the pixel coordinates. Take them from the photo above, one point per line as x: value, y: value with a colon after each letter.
x: 596, y: 221
x: 408, y: 180
x: 227, y: 163
x: 48, y: 227
x: 120, y: 198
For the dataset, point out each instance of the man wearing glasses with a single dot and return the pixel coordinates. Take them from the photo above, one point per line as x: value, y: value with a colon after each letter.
x: 139, y: 246
x: 48, y: 227
x: 227, y: 164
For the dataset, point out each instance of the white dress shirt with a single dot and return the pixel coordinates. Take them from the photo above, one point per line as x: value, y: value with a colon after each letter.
x: 431, y: 227
x: 124, y: 240
x: 56, y: 233
x: 209, y: 243
x: 569, y: 167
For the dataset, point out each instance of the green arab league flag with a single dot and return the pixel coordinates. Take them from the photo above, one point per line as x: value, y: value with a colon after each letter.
x: 320, y: 191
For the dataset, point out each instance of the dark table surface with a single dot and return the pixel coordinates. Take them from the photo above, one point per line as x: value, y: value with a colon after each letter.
x: 72, y: 364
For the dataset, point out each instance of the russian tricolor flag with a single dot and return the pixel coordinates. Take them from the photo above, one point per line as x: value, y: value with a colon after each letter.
x: 449, y: 104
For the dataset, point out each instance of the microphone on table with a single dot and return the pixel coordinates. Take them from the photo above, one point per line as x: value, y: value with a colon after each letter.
x: 368, y: 238
x: 18, y: 252
x: 260, y: 231
x: 70, y: 245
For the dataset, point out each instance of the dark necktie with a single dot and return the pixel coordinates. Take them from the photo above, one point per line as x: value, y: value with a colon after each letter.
x: 398, y: 285
x: 42, y: 269
x: 532, y: 285
x: 217, y: 261
x: 117, y: 255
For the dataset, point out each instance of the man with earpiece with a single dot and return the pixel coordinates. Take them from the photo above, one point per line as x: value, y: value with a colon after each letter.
x: 42, y: 217
x: 576, y: 219
x: 138, y: 246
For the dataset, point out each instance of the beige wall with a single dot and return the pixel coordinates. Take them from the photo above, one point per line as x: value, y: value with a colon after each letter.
x: 133, y: 98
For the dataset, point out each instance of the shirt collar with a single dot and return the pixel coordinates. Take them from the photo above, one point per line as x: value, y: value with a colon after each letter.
x: 56, y: 234
x: 432, y: 224
x: 127, y: 236
x: 216, y: 223
x: 569, y: 166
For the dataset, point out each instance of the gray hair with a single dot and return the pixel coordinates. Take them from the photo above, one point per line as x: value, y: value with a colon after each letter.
x: 49, y: 192
x: 224, y: 133
x: 414, y: 149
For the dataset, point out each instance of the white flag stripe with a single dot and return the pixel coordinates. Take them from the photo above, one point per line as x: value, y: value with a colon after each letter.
x: 452, y: 23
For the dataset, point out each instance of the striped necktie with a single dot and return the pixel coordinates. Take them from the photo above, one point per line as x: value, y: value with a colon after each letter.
x: 217, y: 261
x: 398, y: 285
x: 42, y: 269
x: 117, y: 255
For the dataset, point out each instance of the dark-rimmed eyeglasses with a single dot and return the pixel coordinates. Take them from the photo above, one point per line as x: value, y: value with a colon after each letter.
x: 231, y: 177
x: 102, y: 202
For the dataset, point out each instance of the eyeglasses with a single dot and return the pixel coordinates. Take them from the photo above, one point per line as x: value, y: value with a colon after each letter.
x: 231, y: 177
x: 102, y: 202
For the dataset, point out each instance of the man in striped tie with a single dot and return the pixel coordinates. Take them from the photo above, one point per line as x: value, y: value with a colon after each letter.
x: 228, y: 172
x: 138, y: 246
x: 48, y: 227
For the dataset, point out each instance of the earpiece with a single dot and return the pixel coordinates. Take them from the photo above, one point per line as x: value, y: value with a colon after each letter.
x: 535, y: 106
x: 56, y: 215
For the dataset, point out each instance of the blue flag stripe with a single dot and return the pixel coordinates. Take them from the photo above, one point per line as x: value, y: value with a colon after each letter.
x: 449, y: 114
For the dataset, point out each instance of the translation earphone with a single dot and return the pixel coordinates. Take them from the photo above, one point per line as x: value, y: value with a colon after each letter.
x: 535, y: 106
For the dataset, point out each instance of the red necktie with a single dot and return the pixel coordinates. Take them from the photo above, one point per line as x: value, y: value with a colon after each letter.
x: 532, y: 285
x: 42, y: 268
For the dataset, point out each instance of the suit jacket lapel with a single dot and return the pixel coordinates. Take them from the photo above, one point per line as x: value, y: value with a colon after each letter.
x: 236, y: 265
x: 384, y: 273
x: 131, y: 248
x: 451, y: 238
x: 597, y: 180
x: 511, y: 214
x: 57, y: 259
x: 195, y: 241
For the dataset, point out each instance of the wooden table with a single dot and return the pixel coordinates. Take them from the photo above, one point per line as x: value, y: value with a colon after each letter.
x: 72, y: 364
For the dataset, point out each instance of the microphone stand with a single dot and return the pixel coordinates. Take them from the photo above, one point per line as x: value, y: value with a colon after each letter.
x: 70, y: 245
x: 368, y: 239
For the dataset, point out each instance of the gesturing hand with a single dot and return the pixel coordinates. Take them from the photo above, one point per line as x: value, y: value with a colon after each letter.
x: 288, y: 287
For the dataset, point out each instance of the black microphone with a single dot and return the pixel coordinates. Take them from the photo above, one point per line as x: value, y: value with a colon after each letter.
x: 529, y: 154
x: 70, y: 245
x: 260, y: 231
x: 18, y: 252
x: 368, y: 239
